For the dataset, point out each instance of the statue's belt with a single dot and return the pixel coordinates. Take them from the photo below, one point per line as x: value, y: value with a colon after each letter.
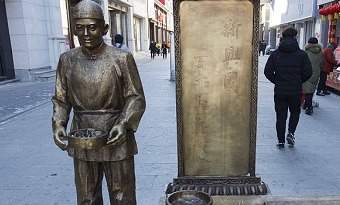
x: 97, y: 112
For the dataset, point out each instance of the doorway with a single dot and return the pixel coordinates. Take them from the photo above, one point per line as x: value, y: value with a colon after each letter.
x: 6, y: 57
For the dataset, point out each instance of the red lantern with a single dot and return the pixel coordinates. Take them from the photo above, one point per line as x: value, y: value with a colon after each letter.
x: 332, y: 9
x: 337, y: 8
x: 327, y: 11
x: 321, y: 11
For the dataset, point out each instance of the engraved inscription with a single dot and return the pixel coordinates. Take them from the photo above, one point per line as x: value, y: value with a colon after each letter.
x: 231, y: 53
x: 231, y: 27
x: 201, y: 71
x: 201, y: 104
x: 201, y: 125
x: 230, y: 81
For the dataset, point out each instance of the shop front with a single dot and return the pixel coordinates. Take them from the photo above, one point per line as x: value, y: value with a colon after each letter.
x: 119, y: 20
x: 158, y: 24
x: 330, y: 15
x: 333, y: 79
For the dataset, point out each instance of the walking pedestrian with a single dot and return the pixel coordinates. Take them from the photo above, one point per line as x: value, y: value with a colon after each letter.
x: 158, y: 48
x: 168, y: 44
x: 152, y: 49
x: 164, y: 49
x: 102, y: 86
x: 264, y: 45
x: 260, y: 47
x: 330, y: 63
x: 287, y: 68
x: 314, y: 52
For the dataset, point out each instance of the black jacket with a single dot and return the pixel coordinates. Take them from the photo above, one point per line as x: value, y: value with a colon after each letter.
x: 288, y: 67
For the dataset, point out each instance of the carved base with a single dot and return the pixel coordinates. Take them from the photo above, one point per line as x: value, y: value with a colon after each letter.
x: 220, y: 185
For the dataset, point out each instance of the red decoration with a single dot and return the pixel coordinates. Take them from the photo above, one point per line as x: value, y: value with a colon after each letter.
x: 332, y: 31
x: 332, y: 9
x: 160, y: 17
x: 322, y: 11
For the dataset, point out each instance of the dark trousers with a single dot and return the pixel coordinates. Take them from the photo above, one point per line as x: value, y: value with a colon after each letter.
x: 282, y: 104
x: 120, y: 178
x: 322, y: 82
x: 309, y: 100
x: 153, y: 53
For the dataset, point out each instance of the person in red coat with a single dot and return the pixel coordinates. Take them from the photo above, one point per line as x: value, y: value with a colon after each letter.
x: 330, y: 62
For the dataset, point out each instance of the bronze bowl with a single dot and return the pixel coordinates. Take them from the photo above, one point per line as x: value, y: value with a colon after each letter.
x: 87, y: 139
x: 189, y: 197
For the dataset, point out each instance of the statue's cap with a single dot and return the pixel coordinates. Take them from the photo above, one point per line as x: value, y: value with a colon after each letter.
x: 88, y: 9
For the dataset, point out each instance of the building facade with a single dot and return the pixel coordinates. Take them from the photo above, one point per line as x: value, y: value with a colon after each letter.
x: 300, y: 14
x: 264, y: 19
x: 312, y: 18
x: 35, y: 36
x: 35, y: 32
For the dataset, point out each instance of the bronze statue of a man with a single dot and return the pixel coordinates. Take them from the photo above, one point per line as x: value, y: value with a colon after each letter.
x: 101, y: 84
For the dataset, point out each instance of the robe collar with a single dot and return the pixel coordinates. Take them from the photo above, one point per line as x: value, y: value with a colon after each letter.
x: 93, y: 54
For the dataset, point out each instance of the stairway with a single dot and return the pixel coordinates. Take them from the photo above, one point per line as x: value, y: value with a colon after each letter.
x: 43, y: 74
x: 3, y: 78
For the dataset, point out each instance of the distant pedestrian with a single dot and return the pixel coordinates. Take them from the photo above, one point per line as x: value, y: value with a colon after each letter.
x: 260, y: 47
x: 314, y: 52
x: 330, y: 63
x: 118, y: 42
x: 287, y: 68
x: 164, y: 49
x: 152, y: 49
x: 158, y: 48
x: 168, y: 44
x: 264, y: 45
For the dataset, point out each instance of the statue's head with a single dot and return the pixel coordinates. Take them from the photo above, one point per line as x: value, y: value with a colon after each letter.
x: 89, y: 24
x: 88, y: 9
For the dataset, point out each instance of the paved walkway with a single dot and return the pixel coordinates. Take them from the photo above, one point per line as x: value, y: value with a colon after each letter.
x: 34, y: 171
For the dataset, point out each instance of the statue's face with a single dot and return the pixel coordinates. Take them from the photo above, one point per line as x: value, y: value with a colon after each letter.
x: 90, y: 32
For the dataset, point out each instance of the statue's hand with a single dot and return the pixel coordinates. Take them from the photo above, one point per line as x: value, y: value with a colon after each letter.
x: 117, y: 135
x: 59, y: 135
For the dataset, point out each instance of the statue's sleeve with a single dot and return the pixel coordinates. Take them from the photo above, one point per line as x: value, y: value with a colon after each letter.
x: 133, y: 95
x: 60, y: 100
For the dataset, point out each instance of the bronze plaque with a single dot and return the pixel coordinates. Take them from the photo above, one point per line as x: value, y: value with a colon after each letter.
x: 216, y: 66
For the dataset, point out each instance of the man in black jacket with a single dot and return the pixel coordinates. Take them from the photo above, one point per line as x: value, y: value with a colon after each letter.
x: 287, y: 68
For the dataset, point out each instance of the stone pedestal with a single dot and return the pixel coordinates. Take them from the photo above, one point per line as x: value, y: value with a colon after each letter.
x: 220, y: 185
x: 271, y: 200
